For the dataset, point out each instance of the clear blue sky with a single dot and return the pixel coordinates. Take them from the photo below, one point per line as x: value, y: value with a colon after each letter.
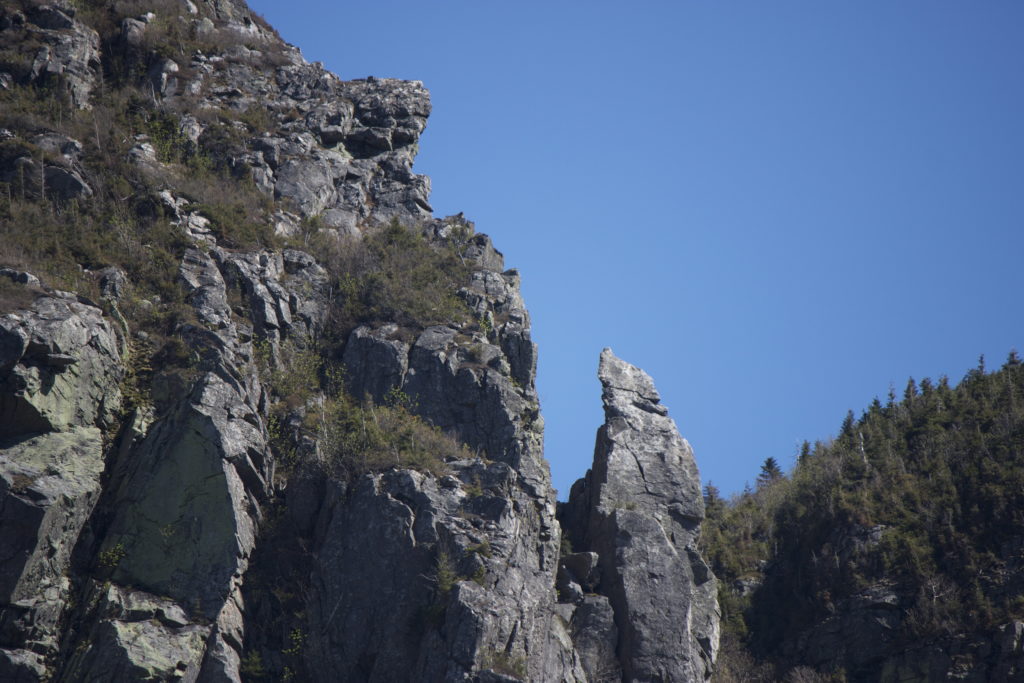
x: 777, y: 209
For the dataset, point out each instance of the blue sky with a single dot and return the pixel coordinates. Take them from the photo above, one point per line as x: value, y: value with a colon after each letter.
x: 776, y: 209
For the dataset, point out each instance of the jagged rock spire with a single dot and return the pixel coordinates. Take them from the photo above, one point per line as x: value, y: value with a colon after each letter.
x: 640, y: 508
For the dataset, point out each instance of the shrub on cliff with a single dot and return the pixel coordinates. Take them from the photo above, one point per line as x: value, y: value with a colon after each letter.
x: 394, y: 274
x: 354, y: 437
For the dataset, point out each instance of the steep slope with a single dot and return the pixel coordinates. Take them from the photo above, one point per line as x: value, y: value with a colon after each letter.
x: 284, y: 425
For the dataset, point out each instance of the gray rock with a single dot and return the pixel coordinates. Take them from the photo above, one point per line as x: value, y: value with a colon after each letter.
x: 308, y: 183
x: 20, y: 277
x: 61, y: 182
x: 190, y: 504
x: 595, y: 636
x: 133, y: 31
x: 49, y: 485
x: 331, y: 121
x: 583, y: 569
x: 207, y: 291
x: 161, y: 77
x: 493, y: 597
x: 65, y: 184
x: 69, y: 52
x: 50, y: 17
x: 640, y: 509
x: 113, y: 283
x: 287, y: 293
x: 137, y: 650
x: 21, y: 666
x: 55, y: 143
x: 41, y: 388
x: 378, y: 362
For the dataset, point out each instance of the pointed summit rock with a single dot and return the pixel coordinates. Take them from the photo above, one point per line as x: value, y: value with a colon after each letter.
x: 640, y: 508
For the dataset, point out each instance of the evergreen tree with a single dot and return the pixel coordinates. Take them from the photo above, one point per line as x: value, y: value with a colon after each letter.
x: 770, y: 473
x: 714, y: 506
x: 941, y: 472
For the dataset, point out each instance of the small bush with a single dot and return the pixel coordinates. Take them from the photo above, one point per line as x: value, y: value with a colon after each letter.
x: 505, y: 663
x: 395, y: 274
x: 355, y: 437
x: 239, y: 225
x: 444, y: 575
x: 112, y: 556
x: 14, y: 295
x: 252, y: 666
x: 294, y: 376
x: 367, y: 438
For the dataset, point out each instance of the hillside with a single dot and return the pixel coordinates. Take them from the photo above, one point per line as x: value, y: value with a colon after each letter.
x: 264, y: 417
x: 893, y: 552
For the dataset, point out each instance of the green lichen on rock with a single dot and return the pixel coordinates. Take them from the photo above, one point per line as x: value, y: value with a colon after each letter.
x: 184, y: 518
x: 60, y: 367
x: 49, y: 485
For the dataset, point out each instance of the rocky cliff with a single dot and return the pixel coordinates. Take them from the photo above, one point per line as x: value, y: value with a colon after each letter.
x: 264, y: 417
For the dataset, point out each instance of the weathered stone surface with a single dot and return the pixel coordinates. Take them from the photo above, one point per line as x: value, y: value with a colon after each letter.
x: 161, y: 77
x: 640, y: 509
x: 49, y: 485
x: 65, y: 184
x: 59, y: 367
x: 55, y: 143
x: 187, y: 511
x: 20, y: 277
x: 130, y: 634
x: 61, y: 181
x: 595, y: 636
x: 21, y: 666
x: 207, y: 291
x: 69, y: 53
x: 381, y: 361
x: 286, y: 293
x: 463, y: 569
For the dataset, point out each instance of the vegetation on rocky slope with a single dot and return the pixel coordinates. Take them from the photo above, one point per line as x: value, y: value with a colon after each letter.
x: 920, y: 497
x: 233, y: 241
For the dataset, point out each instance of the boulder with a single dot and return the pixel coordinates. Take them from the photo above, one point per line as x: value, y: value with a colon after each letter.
x: 59, y: 367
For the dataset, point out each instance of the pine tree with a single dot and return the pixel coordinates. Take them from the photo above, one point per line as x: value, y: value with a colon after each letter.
x: 714, y: 506
x: 770, y: 473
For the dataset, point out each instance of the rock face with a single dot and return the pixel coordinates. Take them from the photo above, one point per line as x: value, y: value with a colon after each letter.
x: 163, y: 517
x: 67, y: 56
x: 491, y: 522
x: 640, y: 509
x: 59, y: 387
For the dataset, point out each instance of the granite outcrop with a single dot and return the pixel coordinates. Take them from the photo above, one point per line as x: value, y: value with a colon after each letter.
x: 637, y: 513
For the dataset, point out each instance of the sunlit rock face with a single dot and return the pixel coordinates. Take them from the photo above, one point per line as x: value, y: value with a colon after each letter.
x: 640, y: 508
x: 168, y: 512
